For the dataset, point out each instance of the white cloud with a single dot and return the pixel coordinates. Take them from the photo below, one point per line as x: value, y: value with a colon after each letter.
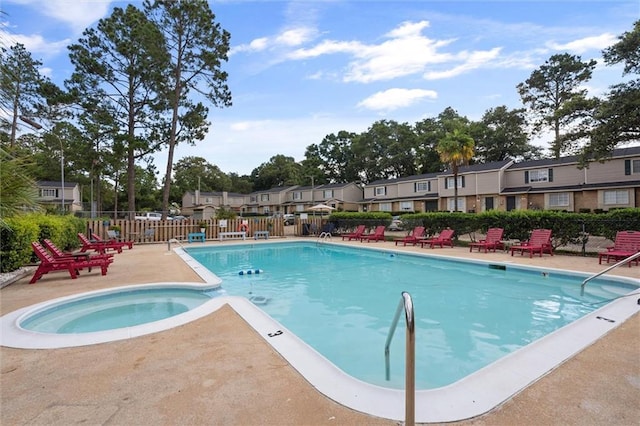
x: 582, y: 45
x: 37, y: 45
x: 392, y: 99
x: 286, y: 39
x: 78, y: 15
x: 470, y: 61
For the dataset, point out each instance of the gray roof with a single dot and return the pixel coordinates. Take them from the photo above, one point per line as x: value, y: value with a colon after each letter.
x: 573, y: 159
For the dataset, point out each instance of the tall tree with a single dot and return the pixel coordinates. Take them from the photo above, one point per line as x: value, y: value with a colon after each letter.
x: 556, y: 99
x: 501, y: 134
x: 618, y: 116
x: 21, y: 87
x: 197, y: 46
x: 456, y: 149
x: 280, y: 170
x: 118, y: 65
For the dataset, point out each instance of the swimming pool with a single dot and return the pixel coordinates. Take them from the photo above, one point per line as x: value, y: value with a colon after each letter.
x: 481, y: 389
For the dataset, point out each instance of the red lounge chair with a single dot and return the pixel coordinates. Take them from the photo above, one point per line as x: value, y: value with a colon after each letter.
x: 356, y: 234
x: 59, y: 254
x: 99, y: 246
x: 413, y: 238
x: 445, y: 238
x: 491, y: 240
x: 377, y: 235
x: 627, y: 243
x: 539, y: 242
x: 48, y: 264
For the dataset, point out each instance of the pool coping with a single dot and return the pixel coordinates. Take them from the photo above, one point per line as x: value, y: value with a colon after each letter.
x: 469, y: 397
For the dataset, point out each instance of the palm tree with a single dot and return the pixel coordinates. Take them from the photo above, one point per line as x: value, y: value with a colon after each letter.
x: 456, y: 149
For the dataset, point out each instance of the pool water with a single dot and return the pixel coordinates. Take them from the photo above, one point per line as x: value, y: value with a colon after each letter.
x: 341, y: 301
x: 115, y: 310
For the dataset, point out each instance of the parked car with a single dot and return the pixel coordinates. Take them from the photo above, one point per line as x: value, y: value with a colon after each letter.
x: 396, y: 224
x: 289, y: 219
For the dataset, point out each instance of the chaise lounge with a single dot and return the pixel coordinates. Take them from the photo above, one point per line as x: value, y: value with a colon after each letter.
x: 355, y: 235
x: 376, y: 235
x: 539, y: 242
x: 627, y: 243
x: 413, y: 238
x: 50, y: 264
x: 445, y: 238
x: 491, y: 240
x: 99, y: 246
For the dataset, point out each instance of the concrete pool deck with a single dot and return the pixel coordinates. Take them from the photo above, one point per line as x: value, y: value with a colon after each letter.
x: 218, y: 370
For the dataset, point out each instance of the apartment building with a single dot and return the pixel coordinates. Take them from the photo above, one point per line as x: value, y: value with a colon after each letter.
x: 548, y: 184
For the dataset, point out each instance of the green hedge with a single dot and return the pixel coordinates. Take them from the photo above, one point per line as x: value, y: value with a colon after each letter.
x: 16, y: 238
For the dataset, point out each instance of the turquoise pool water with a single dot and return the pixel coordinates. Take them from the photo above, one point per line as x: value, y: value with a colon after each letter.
x: 341, y: 300
x: 115, y: 310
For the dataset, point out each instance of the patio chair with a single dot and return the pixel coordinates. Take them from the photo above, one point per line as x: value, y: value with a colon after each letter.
x: 491, y: 240
x: 539, y: 242
x: 445, y: 238
x: 149, y: 235
x: 413, y: 238
x: 50, y: 264
x: 115, y: 237
x: 356, y: 234
x: 627, y: 243
x: 99, y: 246
x: 376, y: 235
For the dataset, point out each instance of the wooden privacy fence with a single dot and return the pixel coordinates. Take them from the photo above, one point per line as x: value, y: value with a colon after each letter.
x: 161, y: 231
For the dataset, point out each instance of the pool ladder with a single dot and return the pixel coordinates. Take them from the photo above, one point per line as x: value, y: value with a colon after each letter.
x: 174, y: 240
x: 615, y: 265
x: 410, y: 361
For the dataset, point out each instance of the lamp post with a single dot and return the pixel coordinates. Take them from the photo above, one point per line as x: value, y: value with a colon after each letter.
x: 38, y: 126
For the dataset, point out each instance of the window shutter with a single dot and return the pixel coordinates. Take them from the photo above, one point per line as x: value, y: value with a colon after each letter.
x: 462, y: 183
x: 526, y: 176
x: 627, y: 167
x: 415, y: 186
x: 550, y: 175
x: 446, y: 183
x: 429, y: 186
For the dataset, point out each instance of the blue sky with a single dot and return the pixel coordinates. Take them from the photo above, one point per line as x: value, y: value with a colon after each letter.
x: 300, y: 70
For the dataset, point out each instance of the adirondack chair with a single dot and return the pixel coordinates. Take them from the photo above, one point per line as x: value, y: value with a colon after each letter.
x: 99, y: 246
x: 356, y: 234
x: 445, y: 238
x: 50, y: 264
x: 413, y: 238
x: 57, y: 253
x: 376, y: 235
x: 539, y: 242
x: 491, y: 240
x: 627, y: 243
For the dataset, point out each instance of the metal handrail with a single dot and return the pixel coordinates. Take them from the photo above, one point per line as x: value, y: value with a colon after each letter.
x: 410, y: 368
x: 604, y: 271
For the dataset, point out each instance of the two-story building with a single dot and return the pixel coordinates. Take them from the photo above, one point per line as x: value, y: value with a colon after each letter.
x: 552, y: 184
x: 342, y: 196
x: 52, y: 195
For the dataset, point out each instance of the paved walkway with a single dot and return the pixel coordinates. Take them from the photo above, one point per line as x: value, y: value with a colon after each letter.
x: 218, y: 370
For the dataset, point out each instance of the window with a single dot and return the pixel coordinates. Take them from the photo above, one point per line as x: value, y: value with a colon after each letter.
x: 380, y: 190
x: 635, y: 166
x: 406, y: 205
x: 297, y: 195
x: 423, y: 186
x: 448, y: 183
x: 253, y: 198
x: 559, y: 199
x: 327, y: 193
x: 541, y: 175
x: 616, y: 197
x: 385, y: 207
x: 48, y: 192
x: 264, y: 197
x: 451, y: 202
